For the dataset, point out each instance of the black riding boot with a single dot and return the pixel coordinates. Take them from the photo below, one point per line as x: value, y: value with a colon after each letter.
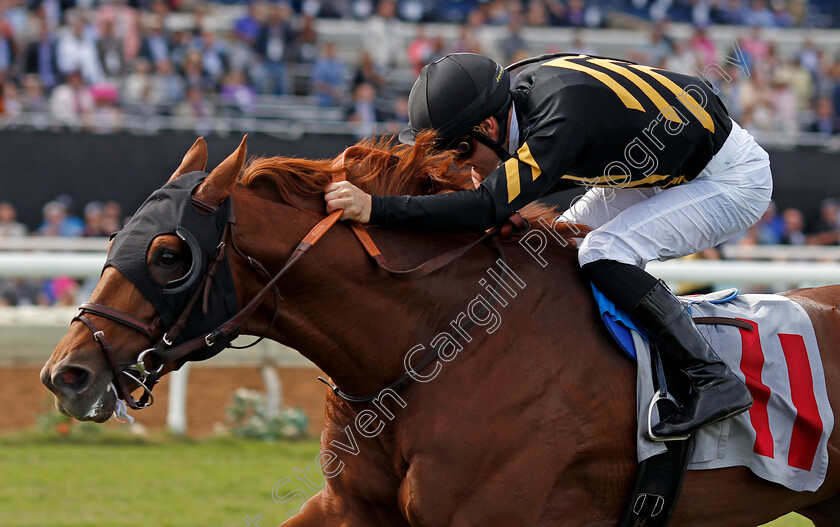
x: 716, y: 393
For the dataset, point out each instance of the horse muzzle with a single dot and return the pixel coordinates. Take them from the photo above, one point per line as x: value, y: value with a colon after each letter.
x: 79, y: 393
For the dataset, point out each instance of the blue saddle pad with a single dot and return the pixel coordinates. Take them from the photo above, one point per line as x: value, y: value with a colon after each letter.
x: 620, y: 325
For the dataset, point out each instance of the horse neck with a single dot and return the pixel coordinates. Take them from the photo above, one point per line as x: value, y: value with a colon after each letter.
x: 345, y: 314
x: 336, y: 308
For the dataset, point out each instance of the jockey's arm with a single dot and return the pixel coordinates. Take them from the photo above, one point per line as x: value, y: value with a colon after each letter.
x: 519, y: 181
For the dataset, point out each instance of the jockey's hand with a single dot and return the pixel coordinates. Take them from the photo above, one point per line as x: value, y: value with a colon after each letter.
x: 354, y: 201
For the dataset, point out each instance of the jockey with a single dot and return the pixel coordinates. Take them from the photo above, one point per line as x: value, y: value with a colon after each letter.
x: 668, y: 174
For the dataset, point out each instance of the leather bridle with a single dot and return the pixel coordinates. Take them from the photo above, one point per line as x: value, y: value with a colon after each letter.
x: 150, y: 364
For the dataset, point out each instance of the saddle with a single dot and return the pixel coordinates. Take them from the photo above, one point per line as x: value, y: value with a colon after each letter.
x: 656, y: 490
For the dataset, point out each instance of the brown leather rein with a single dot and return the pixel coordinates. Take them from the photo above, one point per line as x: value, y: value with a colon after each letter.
x: 150, y: 364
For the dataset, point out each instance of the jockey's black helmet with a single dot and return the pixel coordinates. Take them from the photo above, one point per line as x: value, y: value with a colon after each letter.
x: 454, y: 94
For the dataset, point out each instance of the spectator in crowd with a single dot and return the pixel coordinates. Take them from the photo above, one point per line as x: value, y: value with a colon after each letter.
x: 794, y: 227
x: 660, y: 46
x: 512, y: 42
x: 683, y: 60
x: 274, y: 43
x: 71, y: 103
x: 214, y: 59
x: 770, y: 229
x: 58, y: 221
x: 41, y: 58
x: 168, y: 85
x: 782, y: 15
x: 703, y: 47
x: 155, y: 45
x: 800, y: 80
x: 364, y: 110
x: 34, y: 98
x: 783, y: 107
x: 112, y: 219
x: 247, y: 27
x: 304, y: 55
x: 237, y: 92
x: 759, y: 14
x: 19, y: 292
x: 8, y: 48
x: 754, y: 47
x: 306, y: 42
x: 536, y: 14
x: 328, y: 77
x: 499, y: 12
x: 180, y: 44
x: 107, y: 116
x: 93, y: 215
x: 383, y: 37
x: 578, y: 15
x: 755, y: 102
x: 76, y: 51
x: 728, y: 12
x: 825, y: 121
x: 110, y: 50
x: 826, y: 228
x: 124, y: 19
x: 809, y: 57
x: 195, y: 111
x: 240, y: 47
x: 11, y: 106
x: 194, y: 74
x: 419, y: 49
x: 140, y: 89
x: 61, y: 291
x: 9, y: 226
x: 579, y: 45
x: 465, y: 43
x: 368, y: 72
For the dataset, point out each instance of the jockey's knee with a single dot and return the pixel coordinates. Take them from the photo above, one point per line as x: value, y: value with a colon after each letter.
x: 605, y: 245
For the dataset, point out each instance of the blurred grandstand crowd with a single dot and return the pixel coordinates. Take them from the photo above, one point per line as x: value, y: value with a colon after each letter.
x: 107, y: 65
x: 103, y: 66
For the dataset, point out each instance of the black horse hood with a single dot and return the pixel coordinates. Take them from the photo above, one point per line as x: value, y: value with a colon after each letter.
x: 170, y: 210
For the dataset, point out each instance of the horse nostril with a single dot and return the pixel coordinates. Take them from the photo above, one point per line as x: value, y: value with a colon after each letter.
x: 75, y: 379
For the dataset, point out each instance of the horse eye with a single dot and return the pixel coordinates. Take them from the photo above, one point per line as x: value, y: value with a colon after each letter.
x: 168, y: 259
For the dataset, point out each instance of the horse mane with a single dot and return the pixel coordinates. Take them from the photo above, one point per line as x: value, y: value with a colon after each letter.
x: 383, y: 167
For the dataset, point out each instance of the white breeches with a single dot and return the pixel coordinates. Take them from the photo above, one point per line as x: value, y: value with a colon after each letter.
x: 635, y: 226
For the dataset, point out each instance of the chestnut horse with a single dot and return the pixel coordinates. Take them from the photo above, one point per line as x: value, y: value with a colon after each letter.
x: 526, y: 419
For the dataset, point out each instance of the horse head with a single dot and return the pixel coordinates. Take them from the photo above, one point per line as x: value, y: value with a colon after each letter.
x: 141, y: 300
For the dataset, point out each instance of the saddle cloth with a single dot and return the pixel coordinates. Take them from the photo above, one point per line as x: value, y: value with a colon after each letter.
x: 784, y: 436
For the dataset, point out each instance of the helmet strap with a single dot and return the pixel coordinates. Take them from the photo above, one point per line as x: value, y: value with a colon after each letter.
x: 496, y: 146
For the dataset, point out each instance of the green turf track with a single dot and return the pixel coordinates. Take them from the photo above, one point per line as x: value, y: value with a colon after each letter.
x: 111, y: 482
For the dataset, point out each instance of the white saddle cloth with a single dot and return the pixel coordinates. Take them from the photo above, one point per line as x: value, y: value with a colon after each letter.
x: 784, y: 436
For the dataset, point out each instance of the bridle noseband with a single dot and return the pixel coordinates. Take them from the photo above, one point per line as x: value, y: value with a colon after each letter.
x: 151, y: 363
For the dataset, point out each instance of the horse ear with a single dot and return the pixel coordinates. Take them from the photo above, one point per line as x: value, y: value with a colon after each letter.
x: 219, y: 184
x: 194, y: 160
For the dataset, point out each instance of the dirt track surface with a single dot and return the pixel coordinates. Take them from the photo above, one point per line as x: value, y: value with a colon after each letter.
x: 209, y: 393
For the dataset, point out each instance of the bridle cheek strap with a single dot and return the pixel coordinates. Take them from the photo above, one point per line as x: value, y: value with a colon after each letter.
x: 122, y: 390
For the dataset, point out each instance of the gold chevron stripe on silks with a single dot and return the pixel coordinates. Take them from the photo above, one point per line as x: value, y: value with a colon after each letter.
x: 514, y: 185
x: 609, y: 180
x: 695, y: 108
x: 512, y: 173
x: 652, y: 94
x: 524, y: 154
x: 625, y: 96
